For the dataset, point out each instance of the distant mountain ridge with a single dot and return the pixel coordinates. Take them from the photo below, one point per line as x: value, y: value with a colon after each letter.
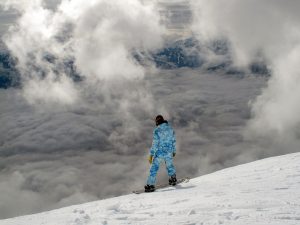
x: 9, y: 75
x: 188, y: 53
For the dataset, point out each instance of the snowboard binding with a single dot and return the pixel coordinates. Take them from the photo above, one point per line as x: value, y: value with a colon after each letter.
x: 149, y: 188
x: 173, y: 180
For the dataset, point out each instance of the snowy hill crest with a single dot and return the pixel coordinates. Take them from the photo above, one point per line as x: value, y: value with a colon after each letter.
x: 263, y: 192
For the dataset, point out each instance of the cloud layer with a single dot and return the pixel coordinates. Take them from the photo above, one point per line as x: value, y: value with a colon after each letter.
x: 53, y: 158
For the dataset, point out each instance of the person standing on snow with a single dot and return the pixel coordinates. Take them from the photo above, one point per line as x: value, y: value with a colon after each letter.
x: 163, y: 149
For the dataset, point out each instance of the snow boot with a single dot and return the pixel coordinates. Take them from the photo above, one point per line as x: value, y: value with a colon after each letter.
x: 149, y: 188
x: 173, y: 180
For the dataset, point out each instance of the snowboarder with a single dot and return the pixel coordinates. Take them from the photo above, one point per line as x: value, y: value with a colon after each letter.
x: 163, y: 149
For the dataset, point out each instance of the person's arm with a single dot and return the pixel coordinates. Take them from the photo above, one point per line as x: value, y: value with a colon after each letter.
x: 155, y: 142
x: 174, y: 143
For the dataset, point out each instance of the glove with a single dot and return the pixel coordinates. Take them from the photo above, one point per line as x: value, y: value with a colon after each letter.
x: 174, y: 153
x: 150, y: 159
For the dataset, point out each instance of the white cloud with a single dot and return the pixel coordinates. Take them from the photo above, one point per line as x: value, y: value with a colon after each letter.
x: 267, y: 29
x: 98, y: 35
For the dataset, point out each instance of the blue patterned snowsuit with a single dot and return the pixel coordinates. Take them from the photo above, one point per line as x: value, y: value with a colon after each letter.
x: 163, y: 147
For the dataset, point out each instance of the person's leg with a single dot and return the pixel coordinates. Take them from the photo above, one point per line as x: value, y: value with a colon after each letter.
x: 169, y: 164
x: 153, y: 170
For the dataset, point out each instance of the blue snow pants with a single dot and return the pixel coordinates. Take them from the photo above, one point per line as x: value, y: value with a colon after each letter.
x: 168, y: 158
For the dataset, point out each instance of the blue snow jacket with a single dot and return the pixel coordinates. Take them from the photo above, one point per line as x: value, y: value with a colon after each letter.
x: 164, y: 140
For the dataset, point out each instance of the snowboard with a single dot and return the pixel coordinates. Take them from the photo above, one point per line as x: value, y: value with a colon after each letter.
x: 180, y: 180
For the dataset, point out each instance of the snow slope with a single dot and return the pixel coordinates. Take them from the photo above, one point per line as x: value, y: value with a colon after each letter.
x: 263, y: 192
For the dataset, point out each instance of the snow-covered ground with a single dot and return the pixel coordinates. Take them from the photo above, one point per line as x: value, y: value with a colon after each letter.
x: 263, y: 192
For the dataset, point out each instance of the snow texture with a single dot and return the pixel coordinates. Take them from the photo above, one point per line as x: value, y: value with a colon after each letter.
x: 263, y: 192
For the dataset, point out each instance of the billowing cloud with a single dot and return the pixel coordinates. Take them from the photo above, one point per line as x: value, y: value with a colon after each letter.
x: 268, y: 31
x: 95, y: 35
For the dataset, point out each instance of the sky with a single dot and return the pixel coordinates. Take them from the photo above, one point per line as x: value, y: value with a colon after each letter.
x: 64, y: 142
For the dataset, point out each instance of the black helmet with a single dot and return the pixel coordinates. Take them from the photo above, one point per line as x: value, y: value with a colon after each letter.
x: 159, y: 120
